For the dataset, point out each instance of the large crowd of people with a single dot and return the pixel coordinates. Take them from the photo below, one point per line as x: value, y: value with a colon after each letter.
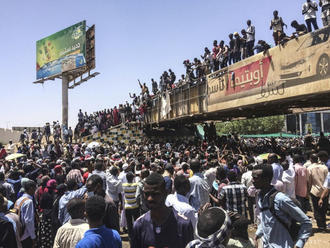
x: 198, y: 193
x: 61, y: 192
x: 241, y: 45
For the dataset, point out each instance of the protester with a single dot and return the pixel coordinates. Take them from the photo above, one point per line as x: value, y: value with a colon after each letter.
x: 114, y: 185
x: 161, y: 226
x: 317, y: 174
x: 212, y: 230
x: 98, y: 235
x: 73, y: 192
x: 309, y: 10
x: 325, y: 5
x: 234, y: 195
x: 179, y: 201
x: 246, y: 180
x: 199, y: 190
x: 73, y: 231
x: 94, y: 186
x: 250, y: 31
x: 26, y: 212
x: 277, y: 25
x: 300, y: 29
x: 278, y: 214
x: 131, y: 203
x: 7, y: 234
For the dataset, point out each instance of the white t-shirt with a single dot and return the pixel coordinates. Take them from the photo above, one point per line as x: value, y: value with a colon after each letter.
x: 311, y: 13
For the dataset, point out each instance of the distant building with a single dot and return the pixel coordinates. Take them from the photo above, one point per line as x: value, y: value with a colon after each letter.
x: 313, y: 122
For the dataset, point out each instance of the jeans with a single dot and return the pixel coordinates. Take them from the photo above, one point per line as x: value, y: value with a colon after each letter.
x: 320, y: 212
x: 249, y: 48
x: 131, y: 216
x: 27, y: 243
x: 237, y: 57
x: 231, y: 58
x: 309, y: 23
x: 216, y: 65
x: 304, y: 202
x: 251, y: 202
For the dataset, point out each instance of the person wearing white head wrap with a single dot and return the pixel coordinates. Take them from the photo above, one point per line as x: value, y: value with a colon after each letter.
x: 212, y: 229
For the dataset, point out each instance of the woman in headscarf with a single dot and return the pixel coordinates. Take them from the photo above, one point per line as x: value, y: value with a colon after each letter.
x: 46, y: 206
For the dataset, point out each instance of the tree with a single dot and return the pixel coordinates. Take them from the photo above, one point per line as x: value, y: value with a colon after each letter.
x: 264, y: 125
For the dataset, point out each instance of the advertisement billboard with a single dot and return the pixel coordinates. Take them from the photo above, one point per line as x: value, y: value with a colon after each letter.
x: 62, y: 51
x: 297, y: 69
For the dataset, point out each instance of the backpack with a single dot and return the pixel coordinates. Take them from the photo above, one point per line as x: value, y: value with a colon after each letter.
x: 295, y: 227
x: 17, y: 210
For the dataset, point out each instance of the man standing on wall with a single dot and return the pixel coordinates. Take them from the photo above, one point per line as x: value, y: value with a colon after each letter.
x: 325, y: 4
x: 309, y: 11
x: 250, y: 31
x: 277, y: 25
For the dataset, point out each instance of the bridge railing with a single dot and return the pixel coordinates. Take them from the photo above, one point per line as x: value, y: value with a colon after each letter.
x: 293, y: 75
x: 184, y: 101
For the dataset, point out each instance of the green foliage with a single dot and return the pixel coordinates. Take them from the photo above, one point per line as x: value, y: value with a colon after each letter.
x: 264, y: 125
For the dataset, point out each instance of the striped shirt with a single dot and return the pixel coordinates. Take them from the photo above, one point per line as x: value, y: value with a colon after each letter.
x: 235, y: 195
x: 130, y: 195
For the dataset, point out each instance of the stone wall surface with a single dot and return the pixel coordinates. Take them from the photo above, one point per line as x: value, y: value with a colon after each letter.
x: 8, y: 134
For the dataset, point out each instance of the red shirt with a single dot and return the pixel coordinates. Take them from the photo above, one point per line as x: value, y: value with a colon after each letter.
x: 215, y: 51
x: 3, y: 153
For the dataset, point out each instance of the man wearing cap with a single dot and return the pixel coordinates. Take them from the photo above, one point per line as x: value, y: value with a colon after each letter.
x: 122, y: 174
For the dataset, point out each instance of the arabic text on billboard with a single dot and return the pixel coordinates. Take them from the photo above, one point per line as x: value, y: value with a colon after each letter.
x: 62, y: 51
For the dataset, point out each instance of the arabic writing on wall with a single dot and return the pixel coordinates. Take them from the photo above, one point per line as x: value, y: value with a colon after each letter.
x: 248, y: 77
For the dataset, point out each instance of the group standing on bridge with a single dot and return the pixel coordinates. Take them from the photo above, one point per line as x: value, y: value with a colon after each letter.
x: 240, y: 46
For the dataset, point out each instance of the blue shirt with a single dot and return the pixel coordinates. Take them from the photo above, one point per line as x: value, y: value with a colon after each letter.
x: 101, y: 237
x: 63, y: 214
x: 277, y: 172
x: 273, y: 233
x: 199, y: 191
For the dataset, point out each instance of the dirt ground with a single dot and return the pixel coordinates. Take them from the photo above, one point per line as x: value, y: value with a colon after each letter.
x: 318, y: 240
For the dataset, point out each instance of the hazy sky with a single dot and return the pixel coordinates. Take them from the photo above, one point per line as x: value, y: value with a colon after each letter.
x: 136, y: 39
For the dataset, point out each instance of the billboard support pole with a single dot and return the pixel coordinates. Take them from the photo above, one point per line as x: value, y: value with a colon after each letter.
x: 65, y: 100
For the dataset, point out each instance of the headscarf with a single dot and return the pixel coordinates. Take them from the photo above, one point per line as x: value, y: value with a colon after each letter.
x: 51, y: 185
x: 216, y: 239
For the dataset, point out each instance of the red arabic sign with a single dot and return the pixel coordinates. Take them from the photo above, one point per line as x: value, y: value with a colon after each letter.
x: 248, y: 77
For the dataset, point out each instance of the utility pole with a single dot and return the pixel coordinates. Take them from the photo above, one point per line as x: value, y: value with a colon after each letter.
x: 65, y: 100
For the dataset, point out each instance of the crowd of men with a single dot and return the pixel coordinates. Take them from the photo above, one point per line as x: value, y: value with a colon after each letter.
x: 240, y: 46
x: 198, y: 193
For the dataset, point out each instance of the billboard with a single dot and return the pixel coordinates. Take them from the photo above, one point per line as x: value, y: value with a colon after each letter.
x: 62, y: 51
x: 299, y: 68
